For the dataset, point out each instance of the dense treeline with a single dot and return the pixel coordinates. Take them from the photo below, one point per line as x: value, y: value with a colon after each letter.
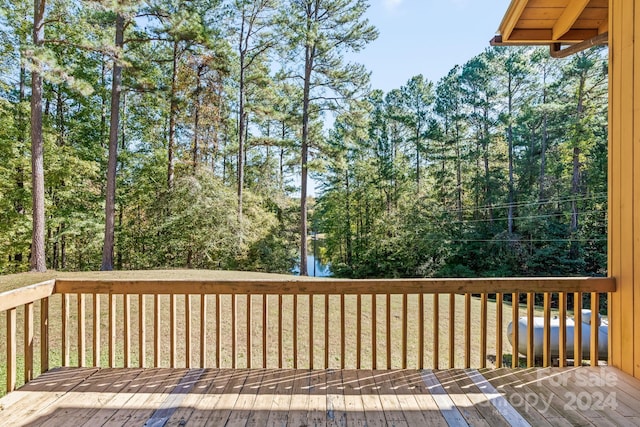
x: 181, y: 134
x: 499, y: 169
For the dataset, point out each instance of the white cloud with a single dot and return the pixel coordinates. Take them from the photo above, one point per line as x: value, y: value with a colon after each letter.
x: 392, y: 4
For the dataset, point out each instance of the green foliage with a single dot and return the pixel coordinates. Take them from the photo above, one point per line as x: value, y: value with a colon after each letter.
x: 414, y: 182
x: 457, y: 225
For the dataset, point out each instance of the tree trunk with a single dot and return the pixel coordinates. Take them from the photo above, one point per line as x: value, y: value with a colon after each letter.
x: 348, y: 237
x: 575, y: 178
x: 510, y: 148
x: 241, y: 119
x: 38, y: 260
x: 458, y: 175
x: 309, y: 56
x: 543, y: 145
x: 116, y: 89
x: 173, y: 110
x: 196, y: 123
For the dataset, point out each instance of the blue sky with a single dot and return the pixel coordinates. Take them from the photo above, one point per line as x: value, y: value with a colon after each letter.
x: 426, y: 37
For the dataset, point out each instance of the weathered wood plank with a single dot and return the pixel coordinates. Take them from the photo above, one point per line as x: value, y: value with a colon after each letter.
x: 26, y: 294
x: 100, y: 390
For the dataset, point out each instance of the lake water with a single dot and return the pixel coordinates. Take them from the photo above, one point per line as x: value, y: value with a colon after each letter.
x: 321, y: 270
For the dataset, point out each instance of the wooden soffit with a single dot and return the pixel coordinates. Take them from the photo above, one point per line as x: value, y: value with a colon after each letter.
x: 548, y: 22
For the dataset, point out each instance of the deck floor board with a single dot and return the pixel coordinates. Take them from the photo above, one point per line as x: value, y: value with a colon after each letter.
x: 183, y: 397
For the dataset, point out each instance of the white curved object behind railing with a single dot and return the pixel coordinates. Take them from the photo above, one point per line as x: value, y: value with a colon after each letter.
x: 538, y: 336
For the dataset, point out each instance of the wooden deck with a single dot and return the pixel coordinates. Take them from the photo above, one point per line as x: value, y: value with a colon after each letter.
x: 216, y: 397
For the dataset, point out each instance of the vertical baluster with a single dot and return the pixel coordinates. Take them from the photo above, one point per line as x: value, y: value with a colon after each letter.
x: 203, y: 331
x: 326, y: 331
x: 358, y: 331
x: 218, y: 319
x: 499, y: 307
x: 264, y: 330
x: 562, y: 333
x: 96, y: 329
x: 28, y: 342
x: 483, y: 330
x: 44, y: 335
x: 388, y: 331
x: 452, y: 330
x: 172, y: 330
x: 436, y: 331
x: 405, y: 337
x: 157, y: 331
x: 64, y: 330
x: 295, y: 331
x: 467, y: 330
x: 233, y: 331
x: 374, y: 332
x: 420, y: 330
x: 546, y: 334
x: 187, y: 331
x: 342, y: 332
x: 127, y: 329
x: 112, y: 331
x: 11, y: 349
x: 595, y: 327
x: 81, y: 329
x: 310, y: 331
x: 279, y: 331
x: 577, y: 329
x: 142, y: 331
x: 515, y: 319
x: 248, y: 339
x: 530, y: 312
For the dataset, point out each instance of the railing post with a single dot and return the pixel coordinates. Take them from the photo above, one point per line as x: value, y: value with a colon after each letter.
x: 452, y: 330
x: 203, y: 331
x: 499, y: 316
x: 28, y: 342
x: 112, y: 331
x: 515, y: 322
x: 142, y: 331
x: 157, y: 332
x: 577, y: 329
x: 562, y: 332
x: 64, y: 330
x: 96, y: 330
x: 11, y: 349
x: 326, y: 331
x: 81, y: 330
x: 374, y: 331
x: 467, y: 330
x: 436, y: 331
x: 595, y: 327
x: 44, y: 335
x: 530, y: 331
x: 546, y: 338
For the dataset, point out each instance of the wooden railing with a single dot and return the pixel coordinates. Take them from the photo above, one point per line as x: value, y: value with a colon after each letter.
x: 373, y: 324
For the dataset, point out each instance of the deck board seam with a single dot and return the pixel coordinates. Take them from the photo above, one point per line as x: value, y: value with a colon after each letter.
x: 496, y: 399
x: 448, y: 409
x: 172, y: 402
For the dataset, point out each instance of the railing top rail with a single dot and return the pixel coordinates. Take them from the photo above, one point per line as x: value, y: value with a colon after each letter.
x: 337, y: 286
x: 20, y: 296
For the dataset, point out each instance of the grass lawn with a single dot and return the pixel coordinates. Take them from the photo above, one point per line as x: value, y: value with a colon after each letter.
x: 256, y: 316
